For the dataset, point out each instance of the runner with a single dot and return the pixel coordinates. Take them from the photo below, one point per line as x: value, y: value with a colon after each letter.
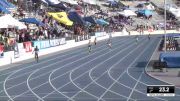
x: 137, y: 39
x: 149, y: 37
x: 36, y: 50
x: 109, y: 43
x: 95, y: 41
x: 89, y: 46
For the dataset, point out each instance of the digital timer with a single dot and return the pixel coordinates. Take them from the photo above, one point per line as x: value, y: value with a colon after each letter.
x: 160, y: 90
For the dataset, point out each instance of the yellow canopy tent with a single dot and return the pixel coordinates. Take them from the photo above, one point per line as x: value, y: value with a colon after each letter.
x: 61, y: 17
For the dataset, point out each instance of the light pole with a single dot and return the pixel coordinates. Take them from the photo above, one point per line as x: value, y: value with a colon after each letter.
x: 165, y: 25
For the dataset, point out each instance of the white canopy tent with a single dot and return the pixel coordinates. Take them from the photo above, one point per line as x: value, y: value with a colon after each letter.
x: 44, y: 1
x: 175, y: 11
x: 7, y: 21
x: 149, y: 7
x: 127, y: 13
x: 54, y: 1
x: 92, y: 2
x: 70, y: 2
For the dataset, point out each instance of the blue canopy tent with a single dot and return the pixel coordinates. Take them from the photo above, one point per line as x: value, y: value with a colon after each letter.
x: 56, y: 5
x: 113, y: 3
x: 2, y: 9
x: 102, y: 22
x: 3, y: 4
x: 32, y: 21
x: 10, y: 5
x: 145, y: 12
x: 75, y: 17
x: 61, y: 6
x: 90, y: 19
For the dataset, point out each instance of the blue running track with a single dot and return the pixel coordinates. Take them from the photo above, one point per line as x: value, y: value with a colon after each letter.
x: 105, y: 74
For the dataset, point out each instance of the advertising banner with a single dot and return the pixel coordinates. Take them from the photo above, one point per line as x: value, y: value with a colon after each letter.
x: 37, y: 43
x: 62, y: 41
x: 54, y: 42
x: 21, y: 49
x: 1, y: 51
x: 28, y: 46
x: 44, y: 44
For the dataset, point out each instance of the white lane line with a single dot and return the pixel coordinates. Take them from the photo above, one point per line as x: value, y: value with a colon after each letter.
x: 129, y: 53
x: 75, y: 69
x: 146, y: 71
x: 51, y: 59
x: 93, y: 81
x: 61, y: 56
x: 138, y: 80
x: 82, y: 90
x: 23, y: 69
x: 63, y: 60
x: 59, y: 61
x: 54, y: 87
x: 59, y: 68
x: 30, y: 87
x: 109, y: 73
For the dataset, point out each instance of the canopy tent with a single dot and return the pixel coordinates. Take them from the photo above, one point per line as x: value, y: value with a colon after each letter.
x: 112, y: 3
x: 70, y: 2
x: 148, y: 6
x: 51, y: 2
x: 127, y: 13
x: 44, y: 1
x: 3, y: 4
x: 2, y: 9
x: 145, y: 12
x: 62, y: 18
x: 7, y: 21
x: 10, y: 5
x: 90, y: 19
x: 175, y: 11
x: 102, y: 22
x: 32, y: 21
x: 61, y: 6
x: 92, y: 2
x: 75, y: 17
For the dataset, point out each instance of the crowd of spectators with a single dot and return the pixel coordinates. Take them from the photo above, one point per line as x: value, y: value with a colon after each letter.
x: 53, y: 29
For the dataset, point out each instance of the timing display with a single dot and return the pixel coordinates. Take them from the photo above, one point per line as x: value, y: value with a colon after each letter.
x: 160, y: 90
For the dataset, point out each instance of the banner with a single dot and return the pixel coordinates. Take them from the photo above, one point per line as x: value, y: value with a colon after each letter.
x: 37, y: 43
x: 62, y: 41
x: 54, y: 42
x: 21, y: 49
x: 1, y: 51
x: 28, y: 46
x: 44, y: 44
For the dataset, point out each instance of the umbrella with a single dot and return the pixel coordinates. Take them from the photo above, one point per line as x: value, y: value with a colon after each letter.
x: 32, y: 21
x: 102, y: 22
x: 90, y: 19
x: 2, y: 9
